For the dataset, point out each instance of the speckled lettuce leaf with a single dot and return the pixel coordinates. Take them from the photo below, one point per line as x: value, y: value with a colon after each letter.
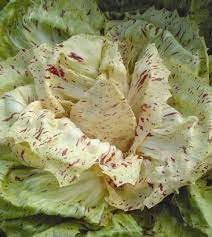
x: 57, y: 145
x: 103, y: 104
x: 175, y: 153
x: 173, y: 157
x: 194, y: 203
x: 7, y: 210
x: 178, y: 43
x: 148, y: 94
x: 28, y: 23
x: 184, y: 30
x: 13, y: 71
x: 64, y: 75
x: 39, y: 191
x: 11, y: 105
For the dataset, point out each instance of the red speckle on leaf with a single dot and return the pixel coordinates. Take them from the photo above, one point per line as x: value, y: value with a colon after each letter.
x: 141, y: 127
x: 76, y: 57
x: 144, y: 107
x: 151, y: 185
x: 103, y: 159
x: 56, y: 71
x: 142, y: 80
x: 38, y: 133
x: 59, y: 87
x: 80, y: 140
x: 124, y: 164
x: 64, y: 152
x: 161, y: 187
x: 23, y: 130
x: 157, y: 79
x: 172, y: 159
x: 74, y: 163
x: 141, y: 119
x: 184, y: 149
x: 166, y: 115
x: 9, y: 118
x: 113, y: 165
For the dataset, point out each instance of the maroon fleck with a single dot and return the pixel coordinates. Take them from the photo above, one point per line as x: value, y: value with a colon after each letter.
x: 76, y: 57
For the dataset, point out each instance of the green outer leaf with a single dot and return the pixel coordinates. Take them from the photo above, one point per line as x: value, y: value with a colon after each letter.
x: 210, y: 69
x: 14, y: 73
x: 200, y: 12
x: 3, y: 3
x: 11, y: 104
x: 194, y: 203
x: 7, y: 210
x: 184, y: 30
x: 40, y: 192
x: 192, y: 97
x: 27, y: 23
x: 116, y: 9
x: 134, y: 36
x: 28, y: 226
x: 167, y: 225
x: 61, y: 230
x: 122, y: 225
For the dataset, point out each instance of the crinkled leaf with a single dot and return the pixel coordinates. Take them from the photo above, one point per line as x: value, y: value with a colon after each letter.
x: 112, y: 65
x: 192, y: 97
x: 120, y: 225
x: 11, y: 104
x: 116, y: 9
x: 35, y: 22
x: 37, y: 131
x: 149, y: 92
x: 194, y: 203
x: 65, y: 75
x: 24, y: 227
x: 200, y: 12
x: 184, y: 30
x: 62, y: 230
x: 167, y: 225
x: 134, y: 35
x: 176, y: 47
x: 39, y: 191
x: 13, y: 71
x: 7, y: 210
x: 173, y: 157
